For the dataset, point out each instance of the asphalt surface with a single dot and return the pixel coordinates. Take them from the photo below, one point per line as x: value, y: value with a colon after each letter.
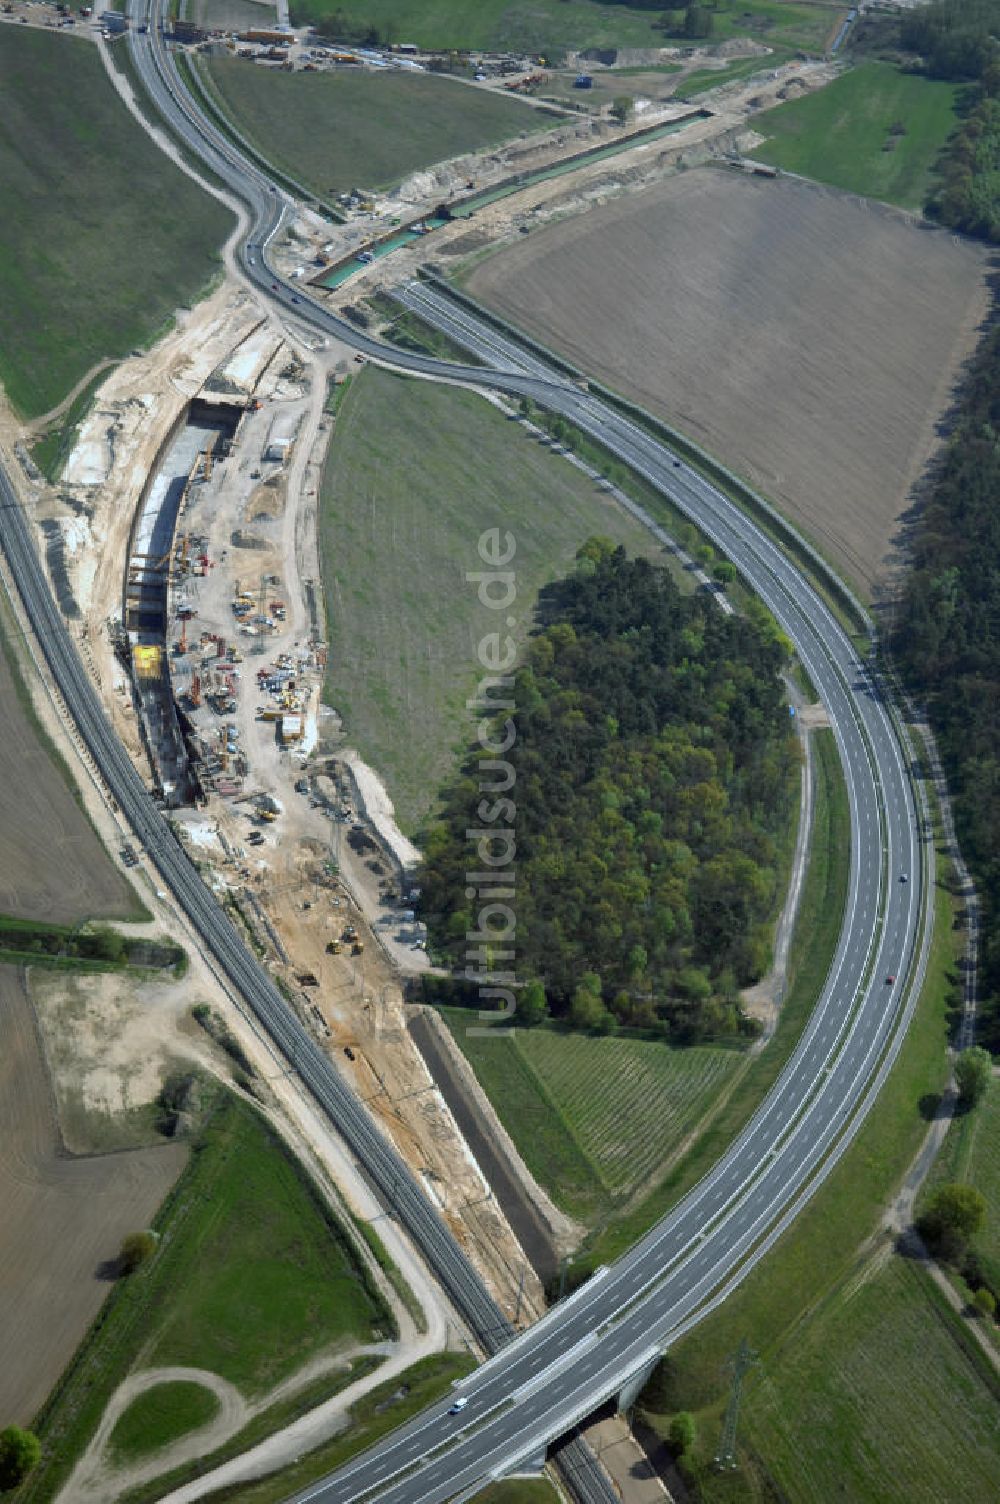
x: 539, y: 1385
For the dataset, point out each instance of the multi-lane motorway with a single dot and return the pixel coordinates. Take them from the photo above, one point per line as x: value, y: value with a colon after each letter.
x: 537, y: 1386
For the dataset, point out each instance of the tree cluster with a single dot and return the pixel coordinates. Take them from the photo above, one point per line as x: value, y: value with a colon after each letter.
x: 947, y: 642
x: 98, y: 945
x: 695, y: 23
x: 958, y: 40
x: 955, y: 38
x: 651, y: 775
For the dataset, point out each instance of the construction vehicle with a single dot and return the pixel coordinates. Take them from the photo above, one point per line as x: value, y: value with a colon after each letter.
x: 333, y: 947
x: 349, y: 933
x: 357, y: 948
x: 267, y: 815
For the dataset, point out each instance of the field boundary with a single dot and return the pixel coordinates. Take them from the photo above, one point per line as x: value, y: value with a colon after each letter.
x: 778, y: 526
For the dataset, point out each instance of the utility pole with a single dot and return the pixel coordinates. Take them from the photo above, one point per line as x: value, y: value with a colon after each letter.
x: 520, y: 1297
x: 745, y: 1358
x: 567, y: 1259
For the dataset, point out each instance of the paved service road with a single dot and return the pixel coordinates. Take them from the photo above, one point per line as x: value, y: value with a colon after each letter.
x: 536, y: 1387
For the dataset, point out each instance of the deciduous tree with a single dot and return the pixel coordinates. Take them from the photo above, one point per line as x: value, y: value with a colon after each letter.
x: 985, y: 1301
x: 136, y: 1249
x: 953, y: 1215
x: 682, y: 1433
x: 19, y: 1453
x: 532, y: 1006
x: 973, y: 1070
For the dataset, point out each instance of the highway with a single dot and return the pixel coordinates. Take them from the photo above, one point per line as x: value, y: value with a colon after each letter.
x: 537, y: 1386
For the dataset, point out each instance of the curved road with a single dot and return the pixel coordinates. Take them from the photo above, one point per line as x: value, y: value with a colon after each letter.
x: 538, y: 1386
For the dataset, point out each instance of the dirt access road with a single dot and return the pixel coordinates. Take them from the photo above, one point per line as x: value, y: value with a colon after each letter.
x: 63, y: 1218
x: 807, y: 337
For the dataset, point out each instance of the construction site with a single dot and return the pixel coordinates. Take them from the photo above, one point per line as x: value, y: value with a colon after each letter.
x: 202, y: 621
x: 189, y: 624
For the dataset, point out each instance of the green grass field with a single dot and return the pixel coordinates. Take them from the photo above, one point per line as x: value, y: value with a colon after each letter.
x: 160, y: 1416
x: 414, y: 476
x: 267, y: 1279
x: 251, y: 1279
x: 338, y: 131
x: 880, y: 1399
x: 874, y: 131
x: 593, y: 1118
x: 143, y: 238
x: 548, y: 24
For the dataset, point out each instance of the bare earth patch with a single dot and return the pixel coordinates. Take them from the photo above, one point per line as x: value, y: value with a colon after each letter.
x: 63, y: 1219
x: 109, y: 1041
x: 809, y: 338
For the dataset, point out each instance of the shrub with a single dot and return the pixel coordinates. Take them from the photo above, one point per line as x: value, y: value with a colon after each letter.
x: 19, y: 1453
x: 137, y: 1248
x: 985, y: 1302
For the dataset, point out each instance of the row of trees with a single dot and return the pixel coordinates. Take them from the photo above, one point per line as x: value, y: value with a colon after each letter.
x: 955, y: 1214
x: 958, y: 40
x: 947, y: 641
x: 650, y: 780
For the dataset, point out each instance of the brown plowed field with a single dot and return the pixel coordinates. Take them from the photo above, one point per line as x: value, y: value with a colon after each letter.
x: 52, y: 865
x: 808, y: 338
x: 61, y: 1218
